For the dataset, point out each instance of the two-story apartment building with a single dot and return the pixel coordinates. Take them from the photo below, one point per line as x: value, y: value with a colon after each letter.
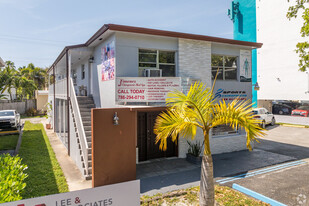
x: 124, y: 66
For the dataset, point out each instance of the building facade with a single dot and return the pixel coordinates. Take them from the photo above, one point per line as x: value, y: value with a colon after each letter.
x: 275, y: 66
x: 132, y: 67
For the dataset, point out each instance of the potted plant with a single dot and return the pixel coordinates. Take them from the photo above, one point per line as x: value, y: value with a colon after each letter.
x: 49, y: 107
x: 194, y: 152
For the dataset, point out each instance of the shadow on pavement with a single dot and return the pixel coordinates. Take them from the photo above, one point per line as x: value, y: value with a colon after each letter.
x: 225, y: 165
x: 291, y: 150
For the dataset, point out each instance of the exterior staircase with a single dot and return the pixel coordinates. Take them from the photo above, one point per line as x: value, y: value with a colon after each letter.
x: 85, y: 105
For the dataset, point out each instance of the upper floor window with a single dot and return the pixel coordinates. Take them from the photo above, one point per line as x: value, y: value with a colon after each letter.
x: 227, y: 67
x: 83, y: 72
x: 156, y: 60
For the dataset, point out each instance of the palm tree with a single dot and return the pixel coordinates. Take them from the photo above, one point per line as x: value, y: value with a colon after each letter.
x: 198, y: 109
x: 9, y: 72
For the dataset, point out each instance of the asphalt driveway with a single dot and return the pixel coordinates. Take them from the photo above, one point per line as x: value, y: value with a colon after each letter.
x: 277, y: 168
x: 287, y: 183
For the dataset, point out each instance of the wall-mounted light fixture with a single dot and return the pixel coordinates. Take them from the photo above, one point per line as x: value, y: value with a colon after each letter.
x: 116, y: 119
x: 91, y: 60
x: 256, y: 86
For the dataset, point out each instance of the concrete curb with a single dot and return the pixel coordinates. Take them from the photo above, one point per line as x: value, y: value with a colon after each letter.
x: 19, y: 140
x: 257, y: 195
x: 292, y: 125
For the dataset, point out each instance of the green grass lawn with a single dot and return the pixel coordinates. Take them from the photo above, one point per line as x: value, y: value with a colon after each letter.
x: 223, y: 195
x: 8, y: 142
x: 23, y: 116
x: 45, y: 176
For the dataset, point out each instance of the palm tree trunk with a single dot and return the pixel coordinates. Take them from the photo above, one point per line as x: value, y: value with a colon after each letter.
x: 207, y: 189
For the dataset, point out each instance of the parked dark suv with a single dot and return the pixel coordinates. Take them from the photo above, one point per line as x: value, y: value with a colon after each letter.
x: 279, y: 108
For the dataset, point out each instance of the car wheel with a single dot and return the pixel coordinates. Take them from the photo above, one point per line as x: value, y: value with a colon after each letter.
x: 263, y: 125
x: 273, y: 121
x: 281, y: 112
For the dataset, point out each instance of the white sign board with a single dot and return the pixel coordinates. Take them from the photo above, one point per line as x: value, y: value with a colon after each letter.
x: 145, y: 89
x: 245, y: 66
x: 127, y: 193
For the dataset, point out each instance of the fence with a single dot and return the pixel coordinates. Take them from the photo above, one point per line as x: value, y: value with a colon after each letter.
x: 20, y: 107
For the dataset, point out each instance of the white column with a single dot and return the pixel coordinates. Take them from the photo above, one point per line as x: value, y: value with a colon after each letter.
x: 63, y: 122
x: 59, y: 117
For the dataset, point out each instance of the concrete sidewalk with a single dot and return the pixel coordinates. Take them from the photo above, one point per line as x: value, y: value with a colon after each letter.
x: 225, y: 165
x: 72, y: 174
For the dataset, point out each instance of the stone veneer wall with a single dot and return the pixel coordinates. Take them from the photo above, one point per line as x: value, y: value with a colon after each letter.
x: 195, y: 65
x: 194, y: 59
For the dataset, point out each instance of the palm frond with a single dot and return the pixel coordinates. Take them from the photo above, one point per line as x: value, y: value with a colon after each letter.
x: 237, y: 114
x: 199, y: 99
x: 174, y: 122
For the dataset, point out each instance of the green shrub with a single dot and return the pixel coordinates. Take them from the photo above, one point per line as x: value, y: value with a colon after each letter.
x: 195, y: 148
x: 12, y: 178
x: 32, y: 112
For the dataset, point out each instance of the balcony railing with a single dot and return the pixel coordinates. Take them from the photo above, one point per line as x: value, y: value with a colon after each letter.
x: 61, y: 88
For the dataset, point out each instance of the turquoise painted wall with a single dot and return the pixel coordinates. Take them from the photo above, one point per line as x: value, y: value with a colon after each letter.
x: 245, y: 30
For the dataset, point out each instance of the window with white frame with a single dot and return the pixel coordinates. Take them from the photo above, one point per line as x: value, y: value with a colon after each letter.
x: 155, y: 59
x: 227, y: 66
x: 223, y: 130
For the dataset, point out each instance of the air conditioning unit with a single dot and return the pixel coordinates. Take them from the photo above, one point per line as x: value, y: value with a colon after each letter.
x: 152, y: 73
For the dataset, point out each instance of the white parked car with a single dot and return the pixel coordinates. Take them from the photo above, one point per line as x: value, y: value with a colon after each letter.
x: 265, y: 116
x: 9, y: 119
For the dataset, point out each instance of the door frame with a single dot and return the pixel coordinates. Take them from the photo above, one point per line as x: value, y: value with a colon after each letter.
x: 143, y: 136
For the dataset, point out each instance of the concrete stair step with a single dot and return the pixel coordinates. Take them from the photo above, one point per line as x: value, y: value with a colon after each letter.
x: 89, y: 144
x: 86, y: 106
x: 85, y: 114
x: 87, y: 123
x: 86, y: 118
x: 85, y: 101
x: 87, y: 128
x: 82, y: 109
x: 88, y: 133
x: 88, y: 139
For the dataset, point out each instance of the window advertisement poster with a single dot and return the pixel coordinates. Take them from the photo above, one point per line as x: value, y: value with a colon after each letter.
x: 126, y: 193
x: 145, y: 89
x: 245, y: 65
x: 108, y: 61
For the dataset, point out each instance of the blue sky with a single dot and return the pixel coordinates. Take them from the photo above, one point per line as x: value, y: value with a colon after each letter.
x: 37, y: 30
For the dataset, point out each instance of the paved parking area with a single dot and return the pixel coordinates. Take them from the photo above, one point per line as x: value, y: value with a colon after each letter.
x: 289, y: 182
x: 278, y: 162
x: 290, y: 141
x: 292, y: 119
x: 287, y: 185
x: 171, y: 174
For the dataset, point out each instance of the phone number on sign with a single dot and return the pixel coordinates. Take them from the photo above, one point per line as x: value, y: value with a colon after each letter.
x: 131, y: 97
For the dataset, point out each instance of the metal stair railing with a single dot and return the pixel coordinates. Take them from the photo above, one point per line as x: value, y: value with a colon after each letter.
x: 79, y: 125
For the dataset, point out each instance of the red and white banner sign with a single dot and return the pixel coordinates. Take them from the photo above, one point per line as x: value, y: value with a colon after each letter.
x: 126, y: 193
x: 145, y: 89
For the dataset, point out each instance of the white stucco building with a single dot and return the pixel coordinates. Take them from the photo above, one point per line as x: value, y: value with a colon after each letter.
x: 115, y: 67
x: 277, y: 68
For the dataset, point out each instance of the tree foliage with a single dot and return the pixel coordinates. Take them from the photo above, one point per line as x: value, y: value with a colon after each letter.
x: 12, y: 178
x: 302, y: 48
x: 25, y: 80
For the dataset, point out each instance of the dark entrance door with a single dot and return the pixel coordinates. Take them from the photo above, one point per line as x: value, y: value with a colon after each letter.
x: 148, y: 149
